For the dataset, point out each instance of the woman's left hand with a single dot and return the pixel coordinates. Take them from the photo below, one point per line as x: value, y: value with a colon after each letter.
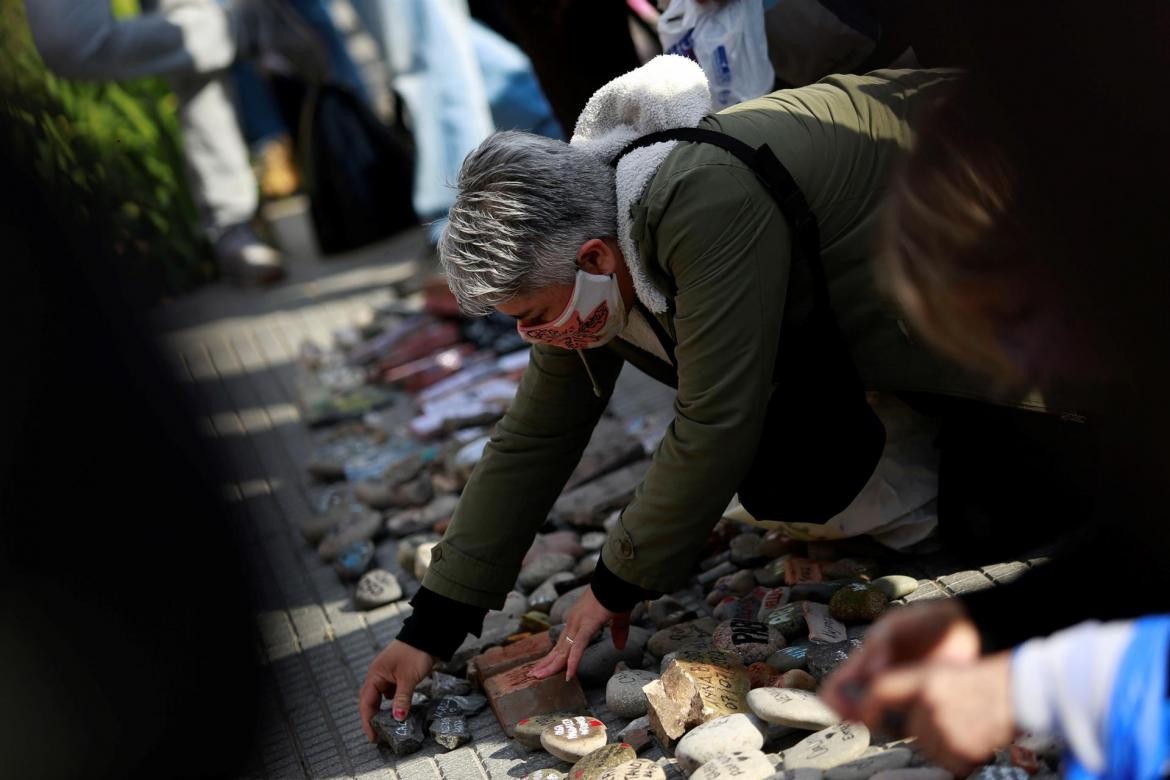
x: 584, y: 620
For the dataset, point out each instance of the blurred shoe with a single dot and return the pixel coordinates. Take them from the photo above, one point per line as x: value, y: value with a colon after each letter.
x: 245, y: 259
x: 275, y: 36
x: 276, y: 171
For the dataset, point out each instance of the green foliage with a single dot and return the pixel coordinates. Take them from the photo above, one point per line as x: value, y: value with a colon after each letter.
x: 109, y: 159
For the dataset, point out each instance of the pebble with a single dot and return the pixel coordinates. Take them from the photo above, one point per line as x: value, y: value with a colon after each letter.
x: 422, y: 559
x: 788, y: 619
x: 600, y: 658
x: 567, y: 542
x: 895, y: 586
x: 849, y: 569
x: 666, y: 612
x: 999, y: 773
x: 731, y: 733
x: 772, y: 573
x: 751, y: 765
x: 543, y: 567
x: 448, y: 685
x: 760, y: 675
x: 745, y: 550
x: 563, y: 604
x: 857, y: 603
x: 801, y: 570
x: 807, y: 773
x: 595, y: 763
x: 823, y: 659
x: 515, y: 605
x: 528, y: 731
x: 822, y: 626
x: 354, y: 527
x: 543, y: 598
x: 798, y: 678
x: 867, y: 766
x: 750, y: 640
x: 624, y: 695
x: 772, y: 599
x: 817, y: 591
x: 684, y: 634
x: 593, y: 541
x: 789, y: 658
x: 775, y: 543
x: 636, y: 734
x: 403, y: 737
x: 375, y: 588
x: 352, y: 562
x: 545, y: 774
x: 450, y: 731
x: 740, y: 583
x: 915, y: 773
x: 711, y: 561
x: 638, y: 769
x: 829, y: 748
x: 450, y: 706
x: 791, y: 707
x: 715, y: 572
x: 587, y: 564
x: 570, y: 739
x: 731, y: 608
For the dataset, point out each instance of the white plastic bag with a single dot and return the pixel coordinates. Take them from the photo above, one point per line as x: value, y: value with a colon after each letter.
x: 727, y: 40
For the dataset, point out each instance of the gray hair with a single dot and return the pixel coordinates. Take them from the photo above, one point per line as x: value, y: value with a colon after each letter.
x: 526, y: 204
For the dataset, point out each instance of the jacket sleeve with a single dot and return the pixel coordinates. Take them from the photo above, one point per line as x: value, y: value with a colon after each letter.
x: 532, y: 452
x: 725, y: 245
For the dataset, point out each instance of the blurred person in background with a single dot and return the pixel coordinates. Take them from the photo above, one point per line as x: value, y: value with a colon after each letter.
x: 192, y: 43
x: 1027, y: 238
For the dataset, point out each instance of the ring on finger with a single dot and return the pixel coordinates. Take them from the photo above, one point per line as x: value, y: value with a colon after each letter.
x: 569, y: 639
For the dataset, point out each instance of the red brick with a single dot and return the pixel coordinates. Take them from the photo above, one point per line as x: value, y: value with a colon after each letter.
x: 514, y: 695
x: 501, y: 659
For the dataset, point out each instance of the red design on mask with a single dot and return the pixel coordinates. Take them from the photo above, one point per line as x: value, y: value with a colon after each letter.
x: 573, y: 334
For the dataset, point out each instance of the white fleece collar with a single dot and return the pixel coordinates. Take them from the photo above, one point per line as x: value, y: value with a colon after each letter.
x: 667, y: 92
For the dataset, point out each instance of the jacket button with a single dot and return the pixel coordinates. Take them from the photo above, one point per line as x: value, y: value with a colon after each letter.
x: 625, y: 548
x: 437, y: 555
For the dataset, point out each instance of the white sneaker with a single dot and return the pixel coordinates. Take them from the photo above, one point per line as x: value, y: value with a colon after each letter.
x: 245, y: 259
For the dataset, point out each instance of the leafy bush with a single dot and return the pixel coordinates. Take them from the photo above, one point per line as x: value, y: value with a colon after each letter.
x: 109, y: 159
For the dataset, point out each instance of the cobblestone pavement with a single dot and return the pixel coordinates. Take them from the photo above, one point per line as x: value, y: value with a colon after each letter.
x: 236, y: 348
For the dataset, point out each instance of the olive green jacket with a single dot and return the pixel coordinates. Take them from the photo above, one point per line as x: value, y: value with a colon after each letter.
x: 718, y: 248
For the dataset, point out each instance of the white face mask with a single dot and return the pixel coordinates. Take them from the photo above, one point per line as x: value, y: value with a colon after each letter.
x: 594, y: 316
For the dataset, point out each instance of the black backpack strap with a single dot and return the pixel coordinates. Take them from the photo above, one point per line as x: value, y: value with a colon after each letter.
x: 806, y: 239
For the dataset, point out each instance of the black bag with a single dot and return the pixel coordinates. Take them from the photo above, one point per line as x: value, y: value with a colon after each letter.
x: 830, y: 438
x: 359, y: 173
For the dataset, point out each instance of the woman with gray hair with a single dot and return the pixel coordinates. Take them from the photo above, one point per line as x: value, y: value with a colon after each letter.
x: 732, y: 264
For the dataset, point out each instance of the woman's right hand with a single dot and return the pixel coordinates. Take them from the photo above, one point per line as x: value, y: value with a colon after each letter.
x: 936, y: 631
x: 393, y: 674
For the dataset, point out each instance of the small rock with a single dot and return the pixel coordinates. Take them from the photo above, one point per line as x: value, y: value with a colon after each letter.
x: 593, y: 541
x: 788, y: 619
x: 775, y: 543
x: 375, y: 588
x: 731, y: 608
x: 666, y: 611
x: 624, y: 695
x: 571, y: 739
x: 715, y: 572
x: 915, y: 773
x: 422, y: 559
x: 739, y: 584
x: 745, y: 550
x: 772, y: 573
x: 636, y: 734
x: 450, y: 731
x: 600, y: 658
x: 807, y: 773
x: 750, y: 640
x: 515, y: 605
x: 638, y: 769
x: 801, y: 570
x: 791, y: 707
x: 545, y: 774
x: 696, y: 687
x: 543, y: 567
x: 354, y: 527
x: 414, y: 492
x: 829, y: 748
x: 822, y: 626
x: 857, y: 602
x: 771, y: 600
x: 739, y: 732
x: 799, y: 679
x: 352, y: 562
x: 403, y: 737
x: 823, y: 659
x: 999, y: 773
x: 820, y: 592
x: 465, y: 705
x: 895, y: 586
x: 760, y: 675
x: 711, y: 561
x: 527, y: 732
x: 683, y: 634
x: 561, y: 606
x: 789, y: 658
x: 448, y: 685
x: 543, y: 598
x: 849, y: 569
x: 567, y: 542
x: 594, y: 764
x: 751, y: 765
x: 867, y: 766
x: 587, y: 564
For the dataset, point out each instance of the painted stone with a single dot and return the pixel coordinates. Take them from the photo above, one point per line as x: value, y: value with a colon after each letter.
x: 527, y: 731
x: 750, y: 640
x: 403, y: 737
x: 570, y: 739
x: 451, y: 732
x: 869, y: 765
x: 788, y: 658
x: 831, y: 747
x: 823, y: 659
x: 791, y: 707
x: 750, y: 765
x: 696, y: 687
x: 638, y: 769
x: 376, y: 588
x: 822, y: 626
x: 681, y: 635
x: 624, y: 695
x: 788, y: 619
x: 857, y: 603
x: 594, y: 764
x: 730, y: 733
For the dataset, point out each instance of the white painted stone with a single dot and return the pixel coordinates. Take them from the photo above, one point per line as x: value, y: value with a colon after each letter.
x: 638, y: 769
x: 869, y: 765
x: 571, y: 739
x: 831, y: 747
x: 823, y: 627
x: 751, y: 765
x: 727, y: 734
x: 791, y: 707
x: 624, y: 695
